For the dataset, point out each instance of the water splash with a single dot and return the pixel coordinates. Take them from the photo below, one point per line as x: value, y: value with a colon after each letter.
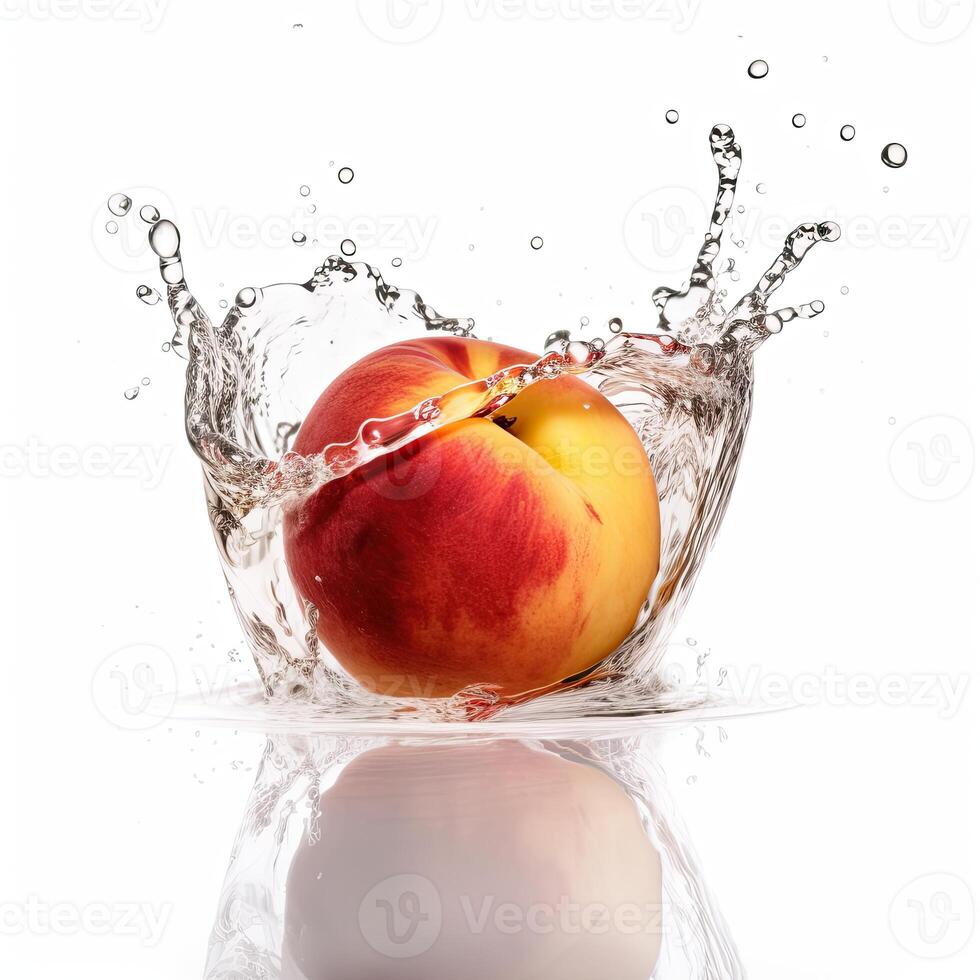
x: 685, y: 386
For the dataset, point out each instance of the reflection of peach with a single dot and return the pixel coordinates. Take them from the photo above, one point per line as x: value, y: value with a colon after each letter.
x: 517, y: 553
x: 489, y: 862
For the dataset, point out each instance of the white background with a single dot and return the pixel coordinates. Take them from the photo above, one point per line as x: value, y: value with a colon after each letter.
x: 484, y: 124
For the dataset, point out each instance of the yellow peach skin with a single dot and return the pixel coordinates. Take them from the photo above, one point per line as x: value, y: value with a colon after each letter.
x: 511, y: 551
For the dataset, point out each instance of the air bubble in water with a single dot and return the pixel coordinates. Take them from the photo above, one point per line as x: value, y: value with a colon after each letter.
x: 672, y: 116
x: 119, y: 204
x: 847, y: 133
x: 149, y: 214
x: 844, y: 290
x: 758, y: 69
x: 130, y: 393
x: 615, y: 325
x: 799, y: 120
x: 148, y: 295
x: 246, y: 297
x: 584, y: 321
x: 761, y: 188
x: 299, y: 238
x: 396, y: 262
x: 111, y: 227
x: 223, y: 303
x: 894, y: 155
x: 304, y: 191
x: 145, y: 382
x: 165, y: 347
x: 537, y: 242
x: 345, y: 175
x: 348, y: 247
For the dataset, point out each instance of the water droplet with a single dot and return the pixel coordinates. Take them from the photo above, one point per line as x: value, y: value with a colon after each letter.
x: 672, y: 115
x: 847, y: 133
x: 119, y: 204
x: 844, y: 290
x: 144, y: 382
x: 799, y: 120
x: 299, y: 238
x: 304, y: 191
x: 615, y: 324
x: 148, y: 295
x: 165, y: 347
x: 761, y: 188
x: 891, y: 420
x: 348, y: 247
x: 111, y: 227
x: 345, y: 175
x: 584, y: 321
x: 223, y: 303
x: 246, y: 297
x: 149, y: 214
x: 396, y: 262
x: 165, y: 239
x: 758, y: 69
x: 130, y: 393
x: 537, y: 242
x: 894, y: 155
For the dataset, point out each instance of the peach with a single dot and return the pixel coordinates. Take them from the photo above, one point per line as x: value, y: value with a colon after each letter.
x: 512, y: 551
x: 484, y: 861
